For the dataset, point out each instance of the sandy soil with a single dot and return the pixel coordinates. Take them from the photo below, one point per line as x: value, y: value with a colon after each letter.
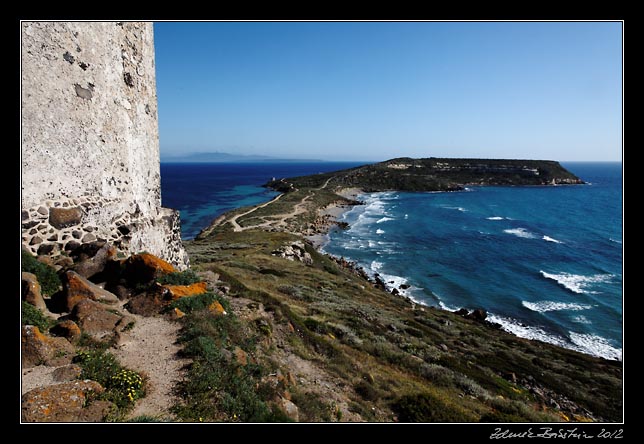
x: 151, y: 348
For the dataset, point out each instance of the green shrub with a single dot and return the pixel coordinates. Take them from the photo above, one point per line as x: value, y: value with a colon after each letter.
x: 47, y: 277
x: 366, y: 391
x: 216, y: 386
x: 199, y: 302
x: 424, y: 407
x: 32, y: 316
x: 179, y: 278
x: 122, y: 386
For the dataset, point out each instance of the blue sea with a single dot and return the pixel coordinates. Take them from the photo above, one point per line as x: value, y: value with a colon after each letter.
x: 203, y: 191
x: 545, y: 262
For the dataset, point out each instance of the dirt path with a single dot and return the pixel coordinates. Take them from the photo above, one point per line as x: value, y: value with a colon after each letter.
x: 233, y: 220
x: 151, y: 348
x: 280, y: 221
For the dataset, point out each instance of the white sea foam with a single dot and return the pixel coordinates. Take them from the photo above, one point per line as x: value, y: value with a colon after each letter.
x: 615, y: 240
x: 595, y: 345
x: 526, y: 331
x: 577, y: 283
x: 581, y: 319
x: 545, y: 306
x: 550, y: 239
x: 375, y: 266
x: 495, y: 218
x: 379, y: 231
x: 444, y: 306
x: 456, y: 208
x: 589, y: 344
x: 520, y: 232
x: 384, y: 219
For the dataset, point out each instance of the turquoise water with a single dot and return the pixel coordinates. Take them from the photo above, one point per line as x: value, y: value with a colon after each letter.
x: 544, y: 262
x: 203, y: 191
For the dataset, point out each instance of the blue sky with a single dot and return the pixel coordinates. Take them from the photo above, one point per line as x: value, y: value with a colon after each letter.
x: 377, y: 90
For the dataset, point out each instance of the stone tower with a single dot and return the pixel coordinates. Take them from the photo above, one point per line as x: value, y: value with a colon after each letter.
x: 90, y: 141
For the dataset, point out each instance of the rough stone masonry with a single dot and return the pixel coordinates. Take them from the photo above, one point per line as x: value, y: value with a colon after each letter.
x: 90, y: 143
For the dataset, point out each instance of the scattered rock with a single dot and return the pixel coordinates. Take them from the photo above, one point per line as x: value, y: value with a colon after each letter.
x: 180, y: 291
x: 121, y: 291
x: 67, y: 329
x: 31, y: 291
x: 65, y: 402
x: 38, y: 348
x: 478, y: 315
x: 94, y: 319
x: 65, y: 217
x: 145, y: 267
x: 149, y: 303
x: 289, y: 409
x: 178, y: 313
x: 76, y: 288
x: 67, y: 373
x: 216, y: 308
x: 95, y: 264
x: 294, y: 251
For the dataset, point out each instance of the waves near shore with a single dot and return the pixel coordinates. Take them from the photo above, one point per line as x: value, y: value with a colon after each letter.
x: 536, y: 274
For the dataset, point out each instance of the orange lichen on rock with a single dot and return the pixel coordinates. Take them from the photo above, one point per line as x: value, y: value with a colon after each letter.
x: 180, y: 291
x: 64, y: 402
x: 217, y: 308
x: 145, y: 267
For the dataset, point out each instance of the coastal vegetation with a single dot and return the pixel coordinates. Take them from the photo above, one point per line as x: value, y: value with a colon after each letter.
x: 273, y: 330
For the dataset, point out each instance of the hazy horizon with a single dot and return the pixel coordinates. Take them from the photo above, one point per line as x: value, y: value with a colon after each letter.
x: 372, y: 91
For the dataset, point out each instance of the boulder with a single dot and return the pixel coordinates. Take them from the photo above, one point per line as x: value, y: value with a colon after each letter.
x: 145, y: 267
x: 65, y: 402
x: 217, y: 309
x: 67, y: 329
x: 31, y: 291
x: 289, y: 409
x: 92, y: 265
x: 295, y: 251
x: 67, y: 373
x: 95, y: 319
x: 76, y: 288
x: 149, y: 303
x: 478, y: 315
x: 65, y: 217
x: 179, y: 291
x: 38, y: 348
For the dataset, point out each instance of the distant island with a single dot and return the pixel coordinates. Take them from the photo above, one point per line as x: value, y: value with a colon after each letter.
x: 219, y: 157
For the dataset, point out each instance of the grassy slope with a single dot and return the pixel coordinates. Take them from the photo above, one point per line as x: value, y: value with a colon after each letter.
x: 386, y: 350
x: 381, y: 357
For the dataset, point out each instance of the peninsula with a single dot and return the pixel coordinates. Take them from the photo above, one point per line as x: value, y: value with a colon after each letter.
x: 358, y: 351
